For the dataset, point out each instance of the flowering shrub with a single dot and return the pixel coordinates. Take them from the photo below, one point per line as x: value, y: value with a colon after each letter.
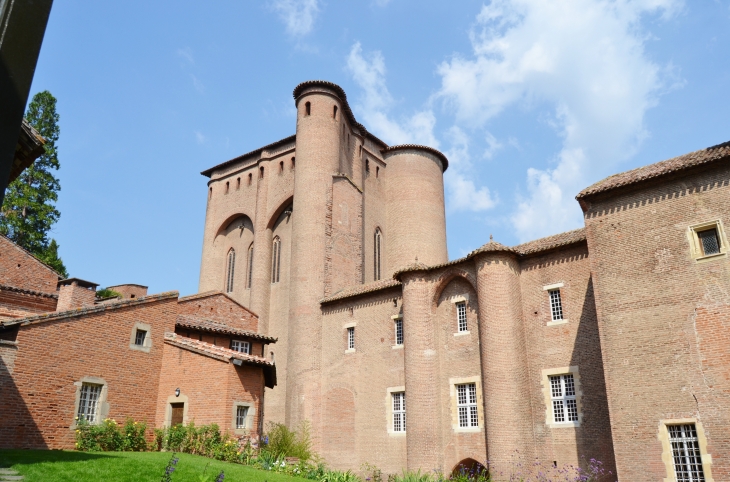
x: 110, y: 437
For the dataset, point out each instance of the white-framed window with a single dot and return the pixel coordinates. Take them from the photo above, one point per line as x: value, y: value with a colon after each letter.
x: 562, y: 395
x: 241, y: 414
x: 351, y: 338
x: 398, y: 325
x: 461, y: 317
x: 686, y: 453
x: 399, y: 411
x: 241, y: 346
x: 466, y: 402
x: 139, y: 337
x: 90, y: 394
x: 556, y: 305
x: 229, y: 270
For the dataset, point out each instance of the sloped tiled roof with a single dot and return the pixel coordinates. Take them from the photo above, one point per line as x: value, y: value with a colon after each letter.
x: 256, y: 152
x: 433, y: 151
x: 214, y: 351
x: 207, y: 294
x: 28, y: 292
x: 188, y: 321
x: 361, y: 290
x: 551, y: 242
x: 75, y: 313
x: 663, y: 168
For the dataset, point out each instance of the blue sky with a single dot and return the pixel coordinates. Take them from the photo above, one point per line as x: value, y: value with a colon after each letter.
x: 530, y: 100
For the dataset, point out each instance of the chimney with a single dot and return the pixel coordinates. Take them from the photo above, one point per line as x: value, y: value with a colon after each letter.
x: 129, y: 291
x: 75, y: 293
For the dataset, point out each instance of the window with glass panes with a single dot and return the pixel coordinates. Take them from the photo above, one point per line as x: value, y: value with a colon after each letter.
x: 562, y: 393
x: 351, y: 338
x: 89, y: 402
x: 241, y: 346
x: 686, y: 453
x: 466, y: 402
x: 709, y: 241
x: 461, y: 316
x: 398, y: 322
x: 241, y: 414
x: 399, y: 412
x: 556, y: 305
x: 139, y: 337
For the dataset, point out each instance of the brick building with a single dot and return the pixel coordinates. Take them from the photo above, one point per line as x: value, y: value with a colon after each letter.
x: 162, y: 359
x: 607, y: 342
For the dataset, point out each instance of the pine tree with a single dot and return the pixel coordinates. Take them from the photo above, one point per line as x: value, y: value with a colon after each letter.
x: 29, y: 210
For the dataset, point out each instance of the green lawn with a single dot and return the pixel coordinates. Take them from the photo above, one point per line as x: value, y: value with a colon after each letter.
x: 58, y: 465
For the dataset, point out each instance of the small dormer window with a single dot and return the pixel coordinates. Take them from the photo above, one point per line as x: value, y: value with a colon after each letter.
x: 241, y: 346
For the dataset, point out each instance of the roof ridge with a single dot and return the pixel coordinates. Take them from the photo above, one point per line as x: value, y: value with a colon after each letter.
x: 35, y: 258
x: 57, y: 315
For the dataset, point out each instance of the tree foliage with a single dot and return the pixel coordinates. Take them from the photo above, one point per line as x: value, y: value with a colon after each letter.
x: 29, y: 210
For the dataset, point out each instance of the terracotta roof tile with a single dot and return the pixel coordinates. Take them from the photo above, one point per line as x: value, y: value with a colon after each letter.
x: 75, y: 313
x: 28, y: 292
x: 551, y: 242
x: 670, y: 166
x: 433, y: 151
x: 214, y: 351
x: 358, y: 290
x: 256, y: 152
x: 188, y: 321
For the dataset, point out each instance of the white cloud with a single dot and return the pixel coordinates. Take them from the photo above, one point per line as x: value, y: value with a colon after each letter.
x: 186, y: 54
x: 197, y: 84
x: 369, y: 72
x: 584, y: 58
x: 298, y: 15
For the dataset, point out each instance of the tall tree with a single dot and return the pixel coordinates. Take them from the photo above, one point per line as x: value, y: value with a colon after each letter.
x: 29, y: 209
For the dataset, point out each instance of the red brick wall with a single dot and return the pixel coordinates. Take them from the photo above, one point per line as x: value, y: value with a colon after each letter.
x: 38, y: 401
x: 219, y: 307
x: 33, y: 303
x: 210, y: 385
x: 575, y: 343
x: 20, y: 269
x: 72, y: 296
x: 662, y: 317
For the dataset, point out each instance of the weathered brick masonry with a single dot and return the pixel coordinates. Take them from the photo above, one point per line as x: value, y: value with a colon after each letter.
x: 622, y: 312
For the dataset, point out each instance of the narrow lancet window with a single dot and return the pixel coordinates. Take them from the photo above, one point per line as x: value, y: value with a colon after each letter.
x: 276, y: 260
x: 377, y: 252
x: 249, y: 271
x: 229, y: 270
x: 308, y: 108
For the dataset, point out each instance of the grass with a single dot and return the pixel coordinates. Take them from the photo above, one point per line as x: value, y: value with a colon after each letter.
x: 71, y: 466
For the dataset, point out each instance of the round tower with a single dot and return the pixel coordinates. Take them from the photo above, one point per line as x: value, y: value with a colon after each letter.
x: 503, y: 357
x: 317, y: 154
x: 416, y: 218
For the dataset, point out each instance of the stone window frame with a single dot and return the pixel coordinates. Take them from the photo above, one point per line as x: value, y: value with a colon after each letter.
x: 548, y: 400
x: 667, y: 456
x: 168, y: 408
x: 548, y: 289
x: 346, y: 327
x: 389, y: 410
x: 477, y: 380
x: 694, y: 241
x: 396, y: 318
x: 102, y: 403
x: 147, y: 340
x: 456, y: 300
x: 249, y: 417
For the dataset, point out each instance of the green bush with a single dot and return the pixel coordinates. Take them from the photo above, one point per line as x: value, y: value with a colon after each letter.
x: 205, y: 440
x: 108, y: 436
x: 284, y: 442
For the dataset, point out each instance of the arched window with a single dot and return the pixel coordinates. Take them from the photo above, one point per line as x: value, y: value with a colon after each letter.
x: 250, y: 178
x: 308, y: 108
x: 377, y: 251
x: 238, y: 183
x: 210, y: 193
x: 276, y: 260
x: 229, y: 270
x: 227, y: 186
x: 334, y: 113
x: 281, y: 166
x: 249, y: 267
x: 293, y: 161
x: 261, y: 172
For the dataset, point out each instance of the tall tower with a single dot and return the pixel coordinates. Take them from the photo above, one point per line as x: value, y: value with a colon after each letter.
x: 318, y: 149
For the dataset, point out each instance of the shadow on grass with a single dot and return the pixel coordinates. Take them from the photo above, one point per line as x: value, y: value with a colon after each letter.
x: 11, y: 457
